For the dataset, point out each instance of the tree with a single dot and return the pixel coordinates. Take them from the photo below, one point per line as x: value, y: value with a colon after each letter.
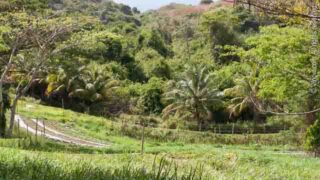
x: 153, y: 64
x: 286, y: 68
x: 245, y: 94
x: 40, y: 38
x: 194, y: 93
x: 11, y: 42
x: 224, y: 28
x: 93, y: 84
x: 150, y: 100
x: 313, y: 138
x: 290, y: 8
x: 5, y: 107
x: 154, y: 40
x: 206, y: 2
x: 101, y: 46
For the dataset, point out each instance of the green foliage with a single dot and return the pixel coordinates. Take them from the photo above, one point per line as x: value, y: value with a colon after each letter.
x: 206, y: 1
x: 3, y: 45
x: 153, y: 64
x: 283, y: 53
x: 153, y: 39
x: 244, y: 93
x: 29, y: 5
x: 102, y: 45
x: 313, y: 138
x: 151, y: 96
x: 221, y: 25
x: 193, y: 95
x: 226, y: 27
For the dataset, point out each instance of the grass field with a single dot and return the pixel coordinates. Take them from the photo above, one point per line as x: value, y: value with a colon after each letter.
x: 179, y: 155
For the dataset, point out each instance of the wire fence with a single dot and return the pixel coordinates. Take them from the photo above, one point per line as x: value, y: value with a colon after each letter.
x: 232, y: 128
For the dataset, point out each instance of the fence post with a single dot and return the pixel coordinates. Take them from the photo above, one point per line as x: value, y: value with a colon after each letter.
x: 18, y: 127
x: 142, y: 139
x: 37, y: 130
x: 219, y: 129
x: 232, y: 128
x: 27, y: 130
x: 44, y: 128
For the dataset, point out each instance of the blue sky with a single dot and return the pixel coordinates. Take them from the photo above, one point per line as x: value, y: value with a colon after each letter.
x: 144, y: 5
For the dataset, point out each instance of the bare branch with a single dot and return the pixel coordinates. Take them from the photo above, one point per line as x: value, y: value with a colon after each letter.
x: 269, y: 7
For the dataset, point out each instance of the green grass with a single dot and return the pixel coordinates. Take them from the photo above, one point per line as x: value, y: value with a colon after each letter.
x: 126, y: 133
x: 179, y: 155
x: 218, y: 162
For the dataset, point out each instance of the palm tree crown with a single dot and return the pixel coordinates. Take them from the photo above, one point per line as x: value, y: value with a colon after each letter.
x: 193, y: 94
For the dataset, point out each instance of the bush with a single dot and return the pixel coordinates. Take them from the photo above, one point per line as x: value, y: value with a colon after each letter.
x: 206, y: 1
x: 313, y: 138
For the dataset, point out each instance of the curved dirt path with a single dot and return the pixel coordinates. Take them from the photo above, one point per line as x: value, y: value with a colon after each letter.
x: 50, y: 133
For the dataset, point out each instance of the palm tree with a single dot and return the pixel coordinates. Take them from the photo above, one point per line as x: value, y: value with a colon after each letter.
x: 193, y: 94
x: 244, y: 95
x: 93, y: 83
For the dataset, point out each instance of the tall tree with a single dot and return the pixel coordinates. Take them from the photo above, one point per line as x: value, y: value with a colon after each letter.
x: 194, y: 93
x: 291, y: 8
x: 12, y: 42
x: 245, y: 94
x: 40, y: 38
x: 307, y: 9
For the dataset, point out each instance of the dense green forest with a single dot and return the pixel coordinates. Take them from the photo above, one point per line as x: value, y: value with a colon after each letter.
x: 179, y: 67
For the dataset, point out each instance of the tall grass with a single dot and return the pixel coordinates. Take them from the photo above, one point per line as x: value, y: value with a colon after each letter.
x: 40, y: 169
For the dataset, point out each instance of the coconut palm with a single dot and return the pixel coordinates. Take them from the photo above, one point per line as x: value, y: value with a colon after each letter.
x: 93, y: 83
x: 244, y: 94
x: 193, y: 95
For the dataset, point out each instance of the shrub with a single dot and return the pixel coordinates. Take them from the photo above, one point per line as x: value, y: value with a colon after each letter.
x: 313, y: 138
x: 206, y: 2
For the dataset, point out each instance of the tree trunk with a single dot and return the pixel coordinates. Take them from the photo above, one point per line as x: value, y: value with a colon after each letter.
x: 2, y: 121
x: 13, y: 114
x: 197, y: 116
x: 256, y: 115
x: 311, y: 117
x: 2, y: 114
x: 19, y: 93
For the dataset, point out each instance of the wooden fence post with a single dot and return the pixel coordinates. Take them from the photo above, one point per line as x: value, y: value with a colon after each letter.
x: 44, y: 128
x: 142, y: 139
x: 18, y: 127
x: 27, y: 130
x: 37, y: 130
x: 232, y: 128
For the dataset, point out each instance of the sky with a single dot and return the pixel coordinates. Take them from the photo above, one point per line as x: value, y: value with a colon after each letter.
x: 144, y: 5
